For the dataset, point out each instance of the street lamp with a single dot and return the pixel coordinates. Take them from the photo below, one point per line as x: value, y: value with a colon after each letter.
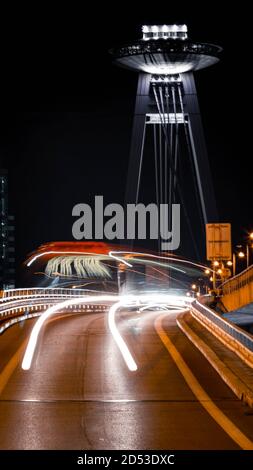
x: 215, y: 264
x: 240, y: 255
x: 248, y: 246
x: 229, y: 263
x: 196, y: 289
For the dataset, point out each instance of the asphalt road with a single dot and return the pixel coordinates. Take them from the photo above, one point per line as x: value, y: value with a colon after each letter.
x: 79, y: 393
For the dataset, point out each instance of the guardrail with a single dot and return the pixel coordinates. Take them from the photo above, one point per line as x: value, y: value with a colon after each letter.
x: 42, y: 292
x: 15, y: 320
x: 238, y: 291
x: 13, y: 310
x: 23, y: 306
x: 238, y: 281
x: 231, y: 335
x: 27, y: 312
x: 17, y: 298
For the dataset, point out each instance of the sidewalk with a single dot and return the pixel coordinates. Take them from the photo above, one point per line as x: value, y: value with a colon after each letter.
x: 242, y: 316
x: 237, y: 375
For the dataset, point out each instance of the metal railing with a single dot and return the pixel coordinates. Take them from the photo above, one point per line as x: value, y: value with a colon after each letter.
x: 11, y: 316
x: 42, y: 292
x: 15, y: 320
x: 245, y: 339
x: 238, y: 281
x: 20, y: 304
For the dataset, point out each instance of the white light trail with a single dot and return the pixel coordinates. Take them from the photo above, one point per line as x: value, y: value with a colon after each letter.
x: 128, y: 358
x: 121, y: 260
x: 60, y: 253
x: 122, y: 301
x: 161, y: 306
x: 83, y: 266
x: 29, y: 353
x: 115, y: 254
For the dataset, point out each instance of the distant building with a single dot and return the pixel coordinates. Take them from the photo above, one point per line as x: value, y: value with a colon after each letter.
x: 7, y: 245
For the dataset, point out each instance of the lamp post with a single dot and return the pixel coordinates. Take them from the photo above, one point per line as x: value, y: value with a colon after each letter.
x: 240, y: 255
x: 248, y: 247
x: 194, y: 288
x: 215, y: 264
x: 230, y: 264
x: 234, y: 262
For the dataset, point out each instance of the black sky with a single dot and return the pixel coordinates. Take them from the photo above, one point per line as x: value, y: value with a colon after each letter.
x: 66, y: 111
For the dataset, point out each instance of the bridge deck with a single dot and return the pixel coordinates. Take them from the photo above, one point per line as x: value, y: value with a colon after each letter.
x: 80, y: 394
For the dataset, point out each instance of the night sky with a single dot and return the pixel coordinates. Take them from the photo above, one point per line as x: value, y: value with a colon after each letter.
x: 66, y: 112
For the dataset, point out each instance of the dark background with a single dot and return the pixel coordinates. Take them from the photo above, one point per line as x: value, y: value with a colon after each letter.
x: 66, y: 111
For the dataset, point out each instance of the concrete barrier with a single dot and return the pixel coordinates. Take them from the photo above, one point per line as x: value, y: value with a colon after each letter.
x: 229, y: 334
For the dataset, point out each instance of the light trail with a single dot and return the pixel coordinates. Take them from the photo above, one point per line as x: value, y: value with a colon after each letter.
x: 84, y: 266
x: 114, y: 254
x: 121, y: 260
x: 161, y: 306
x: 128, y: 358
x: 151, y: 300
x: 29, y: 353
x: 60, y: 253
x: 123, y: 301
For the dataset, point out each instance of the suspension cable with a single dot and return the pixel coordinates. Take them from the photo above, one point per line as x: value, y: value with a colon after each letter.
x: 166, y: 146
x: 176, y: 136
x: 177, y: 179
x: 156, y: 180
x: 140, y: 165
x: 189, y: 147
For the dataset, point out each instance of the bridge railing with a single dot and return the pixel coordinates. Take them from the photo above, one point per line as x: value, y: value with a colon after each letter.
x: 12, y: 315
x: 42, y: 292
x: 12, y: 321
x: 238, y: 281
x: 238, y: 291
x: 21, y: 304
x: 231, y: 335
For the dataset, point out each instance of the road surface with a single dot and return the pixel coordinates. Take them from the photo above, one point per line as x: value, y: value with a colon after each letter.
x: 79, y: 393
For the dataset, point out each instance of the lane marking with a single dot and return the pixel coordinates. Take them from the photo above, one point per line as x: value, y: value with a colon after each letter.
x: 11, y: 366
x: 238, y: 387
x: 221, y: 419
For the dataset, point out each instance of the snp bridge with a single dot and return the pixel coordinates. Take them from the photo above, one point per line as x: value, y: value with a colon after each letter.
x: 117, y: 351
x: 125, y: 370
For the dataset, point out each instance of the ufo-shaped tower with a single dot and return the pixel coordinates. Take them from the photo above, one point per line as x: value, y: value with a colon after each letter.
x: 166, y: 50
x: 167, y: 106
